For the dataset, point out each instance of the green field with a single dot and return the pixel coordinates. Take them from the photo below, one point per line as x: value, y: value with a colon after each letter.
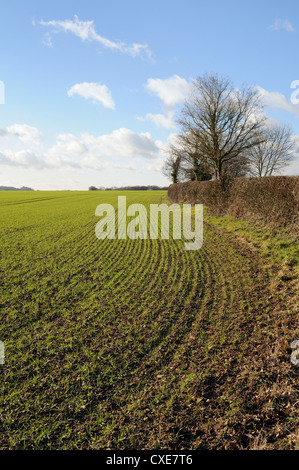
x: 139, y: 344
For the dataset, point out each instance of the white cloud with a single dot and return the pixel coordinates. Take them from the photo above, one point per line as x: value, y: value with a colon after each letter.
x: 64, y: 150
x: 60, y: 155
x: 121, y: 143
x: 156, y: 166
x: 94, y: 91
x: 160, y: 120
x: 171, y: 91
x: 118, y: 166
x: 28, y: 159
x: 275, y: 99
x: 85, y: 30
x: 282, y: 24
x: 87, y: 150
x: 68, y: 144
x: 22, y: 132
x: 23, y: 158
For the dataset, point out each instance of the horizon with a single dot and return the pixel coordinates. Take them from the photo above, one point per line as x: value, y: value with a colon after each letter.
x: 91, y: 96
x: 100, y: 188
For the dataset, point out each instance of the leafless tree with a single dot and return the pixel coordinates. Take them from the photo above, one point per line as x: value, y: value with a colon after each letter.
x: 274, y: 153
x: 223, y: 121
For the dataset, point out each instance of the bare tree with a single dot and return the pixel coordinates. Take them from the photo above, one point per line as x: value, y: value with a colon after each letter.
x: 274, y: 153
x: 224, y: 122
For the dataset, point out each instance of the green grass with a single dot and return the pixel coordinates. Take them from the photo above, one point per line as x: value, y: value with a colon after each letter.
x: 137, y: 344
x: 276, y: 245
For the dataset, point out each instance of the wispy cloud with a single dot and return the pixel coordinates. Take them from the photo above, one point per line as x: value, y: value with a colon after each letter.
x: 47, y: 40
x: 86, y: 31
x: 94, y: 91
x: 280, y: 24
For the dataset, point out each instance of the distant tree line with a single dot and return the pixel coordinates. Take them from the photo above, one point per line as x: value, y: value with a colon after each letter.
x: 129, y: 188
x: 224, y: 134
x: 11, y: 188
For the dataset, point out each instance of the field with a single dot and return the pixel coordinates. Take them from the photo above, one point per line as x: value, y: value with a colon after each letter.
x: 140, y: 344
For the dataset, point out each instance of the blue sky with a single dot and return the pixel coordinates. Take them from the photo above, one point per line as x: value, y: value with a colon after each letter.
x: 92, y: 88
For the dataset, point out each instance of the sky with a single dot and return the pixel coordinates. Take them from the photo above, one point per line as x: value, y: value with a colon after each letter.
x: 90, y: 90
